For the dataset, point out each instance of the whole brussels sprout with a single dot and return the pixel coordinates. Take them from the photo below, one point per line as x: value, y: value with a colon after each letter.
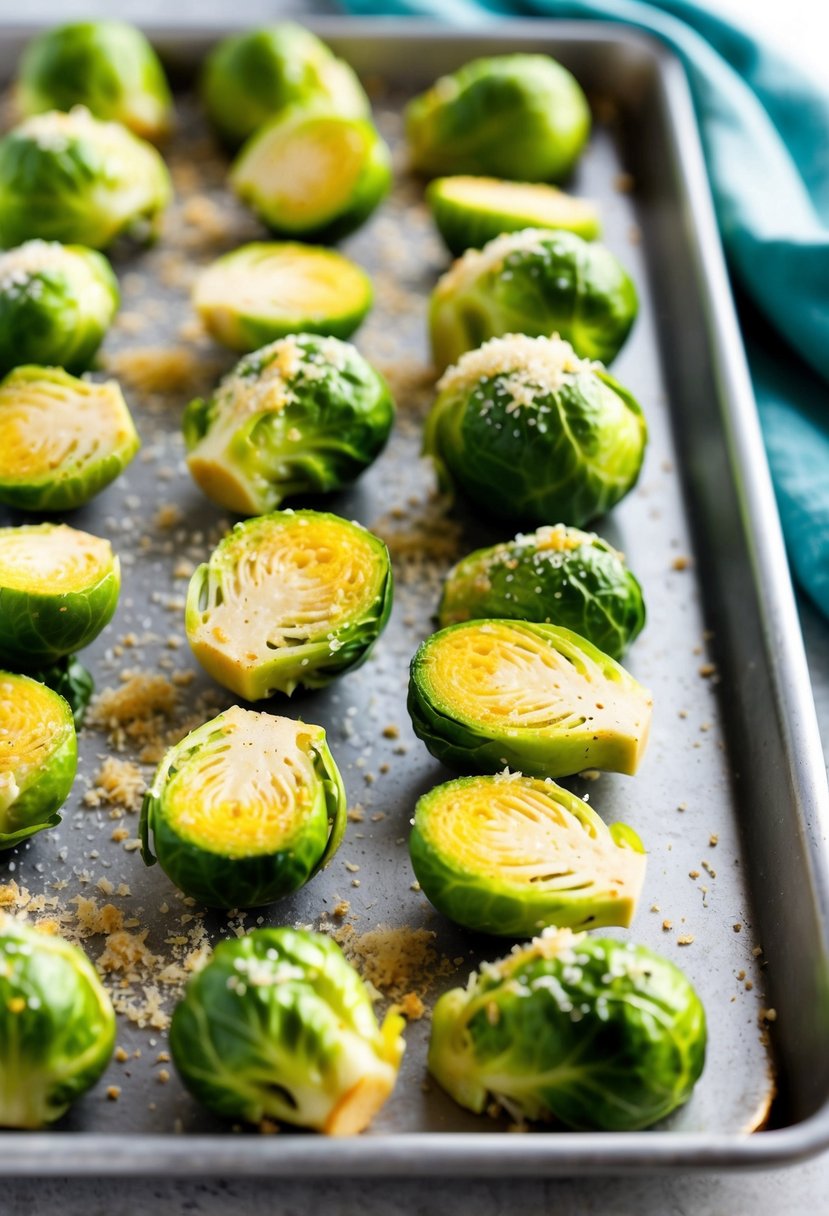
x: 511, y: 855
x: 518, y: 116
x: 304, y: 415
x: 530, y: 432
x: 245, y: 809
x: 313, y: 174
x: 57, y: 1025
x: 555, y: 575
x: 533, y: 282
x: 38, y: 759
x: 271, y: 289
x: 593, y: 1033
x: 69, y: 177
x: 58, y: 589
x: 72, y: 680
x: 535, y: 698
x: 278, y: 1025
x: 62, y: 440
x: 56, y: 305
x: 287, y: 600
x: 252, y: 77
x: 107, y: 66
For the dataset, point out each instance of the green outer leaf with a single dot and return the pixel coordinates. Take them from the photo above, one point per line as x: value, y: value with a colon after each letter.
x: 72, y: 681
x: 601, y: 1036
x: 37, y: 629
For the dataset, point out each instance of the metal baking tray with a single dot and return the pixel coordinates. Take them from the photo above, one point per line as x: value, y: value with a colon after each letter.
x: 731, y: 800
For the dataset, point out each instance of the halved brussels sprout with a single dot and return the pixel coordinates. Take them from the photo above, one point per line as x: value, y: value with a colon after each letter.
x: 511, y: 855
x: 62, y: 440
x: 38, y: 758
x: 279, y: 1026
x: 304, y: 415
x: 288, y: 600
x: 535, y: 698
x: 313, y: 173
x: 556, y: 575
x: 69, y: 177
x: 57, y: 1025
x: 593, y: 1033
x: 245, y: 809
x: 530, y: 432
x: 58, y: 589
x: 107, y: 66
x: 270, y: 289
x: 533, y: 282
x: 470, y: 211
x: 56, y: 305
x: 251, y: 77
x: 518, y: 116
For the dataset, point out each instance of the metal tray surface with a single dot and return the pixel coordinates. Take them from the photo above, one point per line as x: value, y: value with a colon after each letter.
x: 731, y: 799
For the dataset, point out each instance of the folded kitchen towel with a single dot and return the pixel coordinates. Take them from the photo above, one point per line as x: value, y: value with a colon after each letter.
x: 765, y: 133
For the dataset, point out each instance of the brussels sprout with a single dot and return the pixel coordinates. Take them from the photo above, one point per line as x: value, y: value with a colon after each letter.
x: 555, y: 575
x: 288, y: 600
x: 56, y: 304
x: 510, y: 855
x: 594, y: 1033
x: 62, y: 440
x: 245, y: 809
x: 269, y: 290
x: 252, y: 77
x: 69, y: 177
x: 107, y: 66
x: 278, y: 1025
x: 57, y: 1026
x: 533, y: 282
x: 528, y: 431
x: 73, y: 681
x: 313, y: 173
x: 469, y: 211
x: 535, y: 698
x: 38, y: 757
x: 518, y: 116
x: 58, y: 589
x: 304, y: 415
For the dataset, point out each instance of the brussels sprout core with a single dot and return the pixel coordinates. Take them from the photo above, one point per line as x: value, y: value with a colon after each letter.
x: 510, y: 855
x: 288, y: 599
x: 62, y: 440
x: 535, y: 698
x: 38, y: 757
x: 268, y: 290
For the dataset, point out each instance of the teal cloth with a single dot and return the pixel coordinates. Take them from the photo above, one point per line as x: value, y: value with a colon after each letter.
x: 765, y: 133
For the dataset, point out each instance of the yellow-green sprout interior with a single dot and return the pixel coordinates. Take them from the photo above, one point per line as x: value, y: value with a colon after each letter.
x: 247, y: 786
x: 52, y: 559
x: 33, y: 722
x: 537, y: 203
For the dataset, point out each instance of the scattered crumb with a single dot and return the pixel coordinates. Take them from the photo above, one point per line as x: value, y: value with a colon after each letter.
x: 113, y: 1092
x: 685, y: 940
x: 395, y: 960
x: 681, y: 563
x: 707, y: 670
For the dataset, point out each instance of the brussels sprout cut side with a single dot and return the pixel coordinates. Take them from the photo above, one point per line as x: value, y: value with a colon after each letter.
x: 252, y: 77
x: 511, y: 855
x: 593, y: 1033
x: 518, y: 116
x: 533, y: 282
x: 107, y: 66
x: 56, y: 305
x: 287, y: 600
x: 62, y: 440
x: 245, y: 809
x: 70, y: 178
x: 304, y: 415
x: 534, y: 698
x: 268, y: 290
x: 278, y: 1025
x: 57, y: 1025
x: 38, y: 757
x: 470, y: 211
x: 555, y: 575
x: 313, y: 173
x: 528, y: 431
x: 58, y: 589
